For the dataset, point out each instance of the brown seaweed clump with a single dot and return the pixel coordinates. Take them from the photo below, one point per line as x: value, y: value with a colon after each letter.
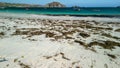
x: 110, y: 36
x: 84, y: 35
x: 105, y: 44
x: 117, y: 30
x: 2, y: 33
x: 112, y: 56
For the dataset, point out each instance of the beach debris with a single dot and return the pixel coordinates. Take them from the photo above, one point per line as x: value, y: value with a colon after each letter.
x: 2, y: 59
x: 2, y: 33
x: 112, y: 56
x: 84, y: 35
x: 117, y: 30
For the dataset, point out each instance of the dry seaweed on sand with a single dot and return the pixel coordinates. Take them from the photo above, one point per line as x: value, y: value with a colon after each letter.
x: 2, y: 33
x: 105, y: 44
x: 110, y: 36
x: 84, y: 35
x: 117, y: 30
x: 22, y: 65
x: 80, y: 42
x: 112, y: 56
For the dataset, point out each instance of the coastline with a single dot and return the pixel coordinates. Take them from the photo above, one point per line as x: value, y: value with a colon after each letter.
x: 62, y: 17
x: 102, y: 15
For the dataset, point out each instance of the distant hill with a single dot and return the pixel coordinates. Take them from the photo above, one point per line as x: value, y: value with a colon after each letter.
x: 17, y: 5
x: 54, y: 4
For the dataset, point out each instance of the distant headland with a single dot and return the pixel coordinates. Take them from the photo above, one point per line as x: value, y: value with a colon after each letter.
x: 50, y: 5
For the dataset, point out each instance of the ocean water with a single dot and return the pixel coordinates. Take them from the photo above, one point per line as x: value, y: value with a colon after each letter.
x: 63, y: 11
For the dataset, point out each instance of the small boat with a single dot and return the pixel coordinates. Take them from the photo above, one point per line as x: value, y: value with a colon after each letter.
x: 76, y: 8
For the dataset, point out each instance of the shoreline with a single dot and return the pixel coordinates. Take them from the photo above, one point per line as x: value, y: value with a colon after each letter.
x: 75, y: 15
x: 61, y: 17
x: 108, y: 16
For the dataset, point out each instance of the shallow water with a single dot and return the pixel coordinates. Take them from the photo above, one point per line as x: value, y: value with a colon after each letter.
x: 63, y: 11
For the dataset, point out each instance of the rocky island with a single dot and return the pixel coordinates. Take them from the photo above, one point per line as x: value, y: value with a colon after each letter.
x: 54, y: 4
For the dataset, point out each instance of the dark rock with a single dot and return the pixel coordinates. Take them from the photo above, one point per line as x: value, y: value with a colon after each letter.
x: 54, y: 4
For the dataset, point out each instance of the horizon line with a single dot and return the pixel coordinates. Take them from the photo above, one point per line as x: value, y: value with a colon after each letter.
x: 59, y: 2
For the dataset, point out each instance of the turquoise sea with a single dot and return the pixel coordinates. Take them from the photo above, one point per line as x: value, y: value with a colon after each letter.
x: 106, y: 11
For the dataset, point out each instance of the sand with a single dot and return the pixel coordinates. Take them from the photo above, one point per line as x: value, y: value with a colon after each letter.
x: 41, y: 41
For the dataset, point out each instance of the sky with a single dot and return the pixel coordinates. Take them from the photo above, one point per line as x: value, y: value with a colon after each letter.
x: 69, y: 3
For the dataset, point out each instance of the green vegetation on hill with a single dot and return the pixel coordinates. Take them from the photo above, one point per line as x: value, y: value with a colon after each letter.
x: 17, y: 5
x: 52, y: 4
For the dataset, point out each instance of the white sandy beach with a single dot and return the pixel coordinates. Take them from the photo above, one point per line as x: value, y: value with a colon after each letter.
x: 41, y: 41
